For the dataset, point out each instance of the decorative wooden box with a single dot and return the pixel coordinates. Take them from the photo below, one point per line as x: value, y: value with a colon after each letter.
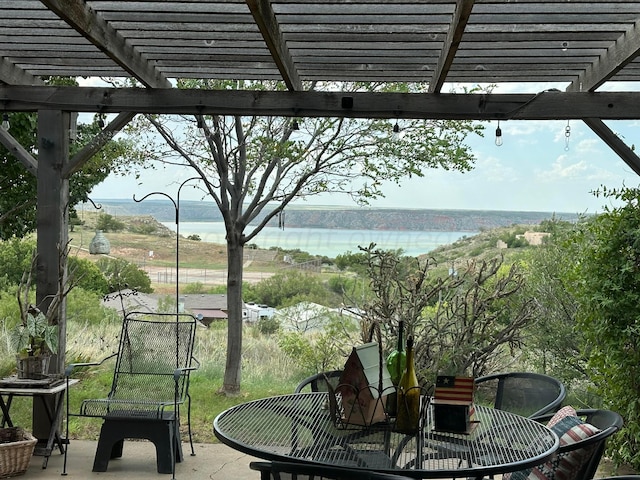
x: 453, y: 408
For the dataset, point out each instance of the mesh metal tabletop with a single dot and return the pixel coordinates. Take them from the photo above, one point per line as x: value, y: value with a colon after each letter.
x: 299, y: 427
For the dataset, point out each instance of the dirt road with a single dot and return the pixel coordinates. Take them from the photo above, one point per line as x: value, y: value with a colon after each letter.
x: 198, y: 275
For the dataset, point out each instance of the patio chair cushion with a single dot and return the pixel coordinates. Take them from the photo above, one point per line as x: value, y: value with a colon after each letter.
x: 567, y: 411
x: 570, y: 429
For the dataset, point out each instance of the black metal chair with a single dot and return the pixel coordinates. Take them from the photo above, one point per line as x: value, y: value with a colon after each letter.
x: 298, y: 471
x: 586, y: 454
x: 524, y: 393
x: 150, y: 384
x: 318, y: 382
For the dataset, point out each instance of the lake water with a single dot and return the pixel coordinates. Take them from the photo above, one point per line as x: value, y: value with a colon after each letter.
x: 328, y: 242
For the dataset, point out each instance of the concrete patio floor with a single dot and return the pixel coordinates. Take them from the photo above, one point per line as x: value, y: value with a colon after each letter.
x: 211, y: 462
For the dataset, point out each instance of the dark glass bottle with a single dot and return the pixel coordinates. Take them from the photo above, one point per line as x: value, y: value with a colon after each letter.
x: 408, y: 418
x: 396, y: 364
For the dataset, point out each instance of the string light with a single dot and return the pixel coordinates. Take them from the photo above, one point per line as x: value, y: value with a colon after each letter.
x: 295, y: 125
x: 498, y: 135
x: 396, y: 129
x: 567, y: 134
x: 5, y: 121
x: 101, y: 120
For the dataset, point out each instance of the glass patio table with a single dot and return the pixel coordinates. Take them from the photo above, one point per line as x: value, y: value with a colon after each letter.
x: 299, y: 428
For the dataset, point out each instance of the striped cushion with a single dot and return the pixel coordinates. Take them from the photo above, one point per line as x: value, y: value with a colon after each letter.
x: 563, y: 466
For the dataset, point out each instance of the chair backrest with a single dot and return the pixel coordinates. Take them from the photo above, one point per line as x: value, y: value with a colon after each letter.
x: 318, y: 382
x: 275, y: 471
x: 588, y: 451
x: 151, y: 348
x: 524, y: 393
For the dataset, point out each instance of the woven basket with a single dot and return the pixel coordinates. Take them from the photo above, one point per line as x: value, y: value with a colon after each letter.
x: 16, y: 449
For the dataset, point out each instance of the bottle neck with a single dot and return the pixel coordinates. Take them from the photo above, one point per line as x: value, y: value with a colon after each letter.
x: 400, y: 336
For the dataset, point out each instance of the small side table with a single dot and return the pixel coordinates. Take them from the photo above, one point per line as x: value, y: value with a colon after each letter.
x: 11, y: 387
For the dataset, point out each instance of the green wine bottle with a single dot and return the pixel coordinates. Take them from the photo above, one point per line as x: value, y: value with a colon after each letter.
x: 408, y: 418
x: 396, y: 364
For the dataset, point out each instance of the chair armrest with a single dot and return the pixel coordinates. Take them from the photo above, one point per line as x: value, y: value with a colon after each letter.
x: 72, y: 366
x: 178, y: 372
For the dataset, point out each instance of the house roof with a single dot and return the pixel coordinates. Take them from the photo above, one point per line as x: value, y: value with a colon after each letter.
x: 211, y: 301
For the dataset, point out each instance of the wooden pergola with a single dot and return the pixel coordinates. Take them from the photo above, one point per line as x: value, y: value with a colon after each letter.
x: 578, y: 50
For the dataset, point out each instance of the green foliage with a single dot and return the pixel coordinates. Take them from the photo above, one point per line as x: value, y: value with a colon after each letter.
x: 268, y: 325
x: 143, y: 228
x: 15, y: 258
x: 18, y: 186
x: 35, y: 335
x: 123, y: 274
x: 322, y: 350
x: 554, y: 342
x: 195, y: 237
x: 356, y: 262
x: 461, y: 324
x: 607, y: 289
x: 514, y: 240
x: 290, y: 287
x: 109, y: 223
x: 89, y: 275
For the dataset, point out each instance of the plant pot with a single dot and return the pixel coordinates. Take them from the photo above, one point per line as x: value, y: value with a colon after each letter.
x: 34, y: 367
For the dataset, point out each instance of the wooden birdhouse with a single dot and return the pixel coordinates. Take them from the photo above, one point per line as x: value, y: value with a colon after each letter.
x: 364, y: 385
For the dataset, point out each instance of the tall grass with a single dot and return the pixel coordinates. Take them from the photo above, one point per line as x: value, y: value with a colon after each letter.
x: 266, y: 371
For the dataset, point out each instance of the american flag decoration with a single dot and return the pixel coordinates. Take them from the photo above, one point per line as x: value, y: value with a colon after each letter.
x: 454, y: 388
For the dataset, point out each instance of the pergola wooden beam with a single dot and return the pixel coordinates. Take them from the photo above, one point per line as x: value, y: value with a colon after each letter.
x: 621, y: 53
x: 547, y: 105
x: 450, y: 48
x: 266, y: 21
x: 84, y: 20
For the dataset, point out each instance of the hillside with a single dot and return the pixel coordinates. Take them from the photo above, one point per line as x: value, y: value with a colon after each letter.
x: 350, y: 218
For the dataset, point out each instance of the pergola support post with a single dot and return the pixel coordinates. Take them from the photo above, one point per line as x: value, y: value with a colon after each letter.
x: 52, y: 232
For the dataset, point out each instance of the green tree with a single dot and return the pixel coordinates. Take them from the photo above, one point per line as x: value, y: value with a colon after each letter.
x: 607, y: 288
x: 554, y: 343
x: 15, y: 258
x: 123, y: 274
x: 254, y: 167
x: 290, y: 287
x: 109, y: 223
x: 19, y: 186
x: 461, y: 324
x: 90, y: 278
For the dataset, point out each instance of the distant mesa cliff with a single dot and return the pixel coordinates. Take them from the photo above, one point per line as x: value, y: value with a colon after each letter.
x: 348, y: 218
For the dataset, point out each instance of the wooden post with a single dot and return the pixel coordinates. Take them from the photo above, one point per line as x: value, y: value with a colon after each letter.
x: 52, y: 231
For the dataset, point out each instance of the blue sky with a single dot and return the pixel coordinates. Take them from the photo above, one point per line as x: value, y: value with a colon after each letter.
x: 535, y: 169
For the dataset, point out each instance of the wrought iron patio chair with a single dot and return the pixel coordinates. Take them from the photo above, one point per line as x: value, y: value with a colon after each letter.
x: 150, y: 384
x: 584, y: 455
x: 527, y: 394
x: 318, y: 382
x: 298, y: 471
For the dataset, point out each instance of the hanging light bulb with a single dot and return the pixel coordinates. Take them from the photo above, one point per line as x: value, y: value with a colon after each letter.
x: 498, y: 135
x: 295, y: 125
x: 101, y: 120
x: 396, y: 129
x: 199, y: 123
x: 5, y: 121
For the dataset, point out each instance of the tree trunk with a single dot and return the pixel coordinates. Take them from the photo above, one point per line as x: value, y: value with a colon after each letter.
x: 232, y: 373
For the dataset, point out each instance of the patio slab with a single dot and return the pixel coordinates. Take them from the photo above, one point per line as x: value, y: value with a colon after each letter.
x: 211, y: 462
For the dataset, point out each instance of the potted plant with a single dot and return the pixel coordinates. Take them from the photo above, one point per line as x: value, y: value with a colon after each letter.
x: 35, y: 338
